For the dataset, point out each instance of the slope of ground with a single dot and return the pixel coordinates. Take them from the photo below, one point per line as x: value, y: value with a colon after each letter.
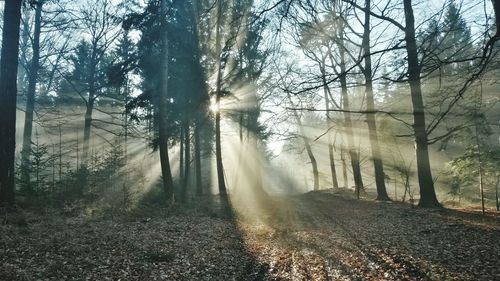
x: 316, y: 236
x: 182, y: 247
x: 320, y: 236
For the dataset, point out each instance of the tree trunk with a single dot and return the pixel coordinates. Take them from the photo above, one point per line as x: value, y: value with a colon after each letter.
x: 30, y: 99
x: 258, y: 187
x: 125, y: 120
x: 91, y: 81
x: 181, y: 155
x: 496, y: 191
x: 329, y: 124
x: 427, y: 193
x: 25, y: 41
x: 197, y: 157
x: 218, y: 148
x: 333, y: 170
x: 344, y: 167
x: 77, y: 151
x: 314, y: 164
x: 480, y: 164
x: 240, y: 149
x: 253, y: 138
x: 356, y: 169
x: 60, y: 151
x: 370, y: 107
x: 8, y: 95
x: 187, y: 160
x: 86, y: 129
x: 162, y: 108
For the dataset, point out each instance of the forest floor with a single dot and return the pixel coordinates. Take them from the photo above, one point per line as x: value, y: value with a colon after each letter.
x: 315, y: 236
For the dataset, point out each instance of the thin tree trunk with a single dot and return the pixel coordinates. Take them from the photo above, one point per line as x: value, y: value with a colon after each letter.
x: 329, y: 124
x: 87, y: 128
x: 8, y: 95
x: 427, y: 193
x: 496, y: 191
x: 218, y: 148
x: 23, y: 48
x: 307, y: 145
x: 480, y: 161
x: 258, y: 187
x: 253, y: 128
x: 125, y: 120
x: 333, y: 169
x: 356, y: 169
x: 197, y: 157
x: 344, y: 167
x: 370, y: 107
x: 481, y: 184
x: 240, y: 150
x: 187, y: 160
x: 37, y: 163
x: 60, y: 151
x: 77, y: 151
x: 53, y: 162
x: 162, y: 107
x: 91, y: 80
x: 30, y: 102
x: 181, y: 155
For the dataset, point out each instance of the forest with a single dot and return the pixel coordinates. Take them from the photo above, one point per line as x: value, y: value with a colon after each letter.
x: 250, y: 140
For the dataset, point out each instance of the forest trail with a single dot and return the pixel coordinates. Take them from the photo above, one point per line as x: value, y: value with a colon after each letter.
x: 319, y: 236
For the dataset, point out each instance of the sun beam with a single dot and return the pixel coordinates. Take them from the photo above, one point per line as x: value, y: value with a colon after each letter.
x: 214, y: 107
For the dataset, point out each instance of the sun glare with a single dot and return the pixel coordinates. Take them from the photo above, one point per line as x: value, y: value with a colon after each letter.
x: 213, y: 105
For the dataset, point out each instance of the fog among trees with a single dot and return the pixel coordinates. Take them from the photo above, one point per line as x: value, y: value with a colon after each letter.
x: 249, y: 140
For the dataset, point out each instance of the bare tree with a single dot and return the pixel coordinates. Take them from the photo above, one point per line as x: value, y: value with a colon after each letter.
x: 427, y: 193
x: 307, y: 144
x: 30, y: 102
x: 8, y: 95
x: 102, y: 31
x: 370, y: 106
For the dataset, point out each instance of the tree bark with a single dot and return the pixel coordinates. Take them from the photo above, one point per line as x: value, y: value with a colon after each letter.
x: 353, y: 154
x: 496, y: 10
x: 181, y: 155
x: 496, y: 191
x: 197, y: 157
x: 240, y: 149
x: 162, y: 107
x: 87, y: 127
x: 91, y: 81
x: 187, y: 160
x: 25, y: 40
x: 30, y: 101
x: 218, y: 147
x: 8, y: 95
x: 370, y: 107
x: 253, y: 138
x: 344, y: 167
x: 480, y: 166
x: 307, y: 145
x: 329, y: 125
x: 427, y: 193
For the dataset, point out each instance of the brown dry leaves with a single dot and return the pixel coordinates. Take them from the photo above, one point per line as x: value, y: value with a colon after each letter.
x: 327, y: 237
x: 173, y: 248
x: 317, y: 236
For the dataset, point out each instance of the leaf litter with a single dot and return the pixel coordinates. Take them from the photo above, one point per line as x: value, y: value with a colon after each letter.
x: 316, y: 236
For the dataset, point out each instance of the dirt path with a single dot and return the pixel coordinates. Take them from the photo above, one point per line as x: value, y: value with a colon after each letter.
x: 324, y: 237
